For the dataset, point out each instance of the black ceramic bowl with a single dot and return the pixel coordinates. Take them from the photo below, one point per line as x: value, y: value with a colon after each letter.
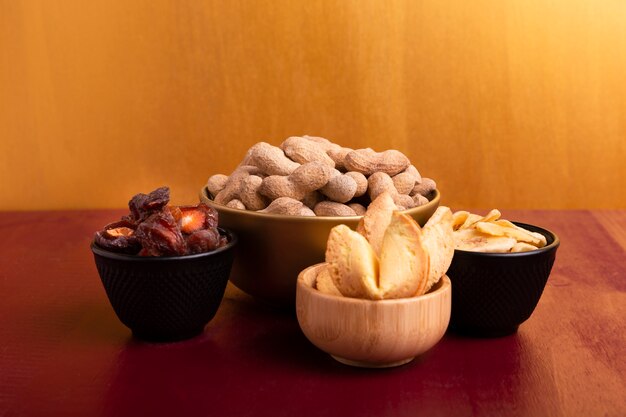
x: 166, y: 298
x: 493, y: 293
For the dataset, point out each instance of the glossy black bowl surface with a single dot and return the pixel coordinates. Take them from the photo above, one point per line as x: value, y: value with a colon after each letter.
x: 166, y: 298
x: 493, y: 293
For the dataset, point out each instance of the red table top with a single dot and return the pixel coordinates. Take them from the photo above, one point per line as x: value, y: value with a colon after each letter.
x: 63, y: 351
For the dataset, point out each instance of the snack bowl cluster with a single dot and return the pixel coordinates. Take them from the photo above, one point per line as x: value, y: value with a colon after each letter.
x: 372, y: 333
x: 166, y: 298
x: 496, y: 292
x: 273, y: 248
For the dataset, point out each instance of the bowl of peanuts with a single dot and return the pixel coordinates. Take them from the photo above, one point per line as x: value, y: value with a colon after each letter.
x: 282, y: 201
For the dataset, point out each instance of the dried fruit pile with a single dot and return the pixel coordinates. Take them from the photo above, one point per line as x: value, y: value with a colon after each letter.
x: 155, y: 229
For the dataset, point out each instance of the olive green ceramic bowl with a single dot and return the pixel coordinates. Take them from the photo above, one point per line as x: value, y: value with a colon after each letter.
x: 273, y: 249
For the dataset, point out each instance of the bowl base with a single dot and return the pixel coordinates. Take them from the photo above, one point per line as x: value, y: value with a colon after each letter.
x: 360, y: 364
x: 159, y: 338
x: 484, y: 332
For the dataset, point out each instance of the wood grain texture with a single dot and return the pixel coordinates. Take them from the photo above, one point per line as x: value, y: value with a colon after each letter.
x: 504, y: 103
x: 614, y: 222
x: 64, y: 352
x: 367, y: 333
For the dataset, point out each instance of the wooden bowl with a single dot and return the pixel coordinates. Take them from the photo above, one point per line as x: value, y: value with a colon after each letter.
x: 273, y: 248
x: 369, y: 333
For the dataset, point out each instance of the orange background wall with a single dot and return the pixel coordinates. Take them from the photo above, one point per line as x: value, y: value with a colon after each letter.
x: 509, y: 104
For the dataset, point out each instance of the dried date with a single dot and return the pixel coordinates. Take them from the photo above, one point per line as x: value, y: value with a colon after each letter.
x: 143, y: 205
x: 211, y: 215
x: 119, y: 237
x: 203, y: 240
x: 160, y: 236
x: 152, y: 228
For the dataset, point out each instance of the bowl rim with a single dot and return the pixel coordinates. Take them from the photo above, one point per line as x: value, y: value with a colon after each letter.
x: 205, y: 195
x: 98, y: 250
x: 446, y: 285
x: 547, y: 233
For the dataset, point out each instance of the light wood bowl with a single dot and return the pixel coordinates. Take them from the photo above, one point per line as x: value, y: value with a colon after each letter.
x: 369, y: 333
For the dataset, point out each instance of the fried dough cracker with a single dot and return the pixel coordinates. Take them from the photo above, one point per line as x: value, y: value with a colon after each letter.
x: 325, y: 283
x: 438, y: 239
x: 390, y: 256
x: 376, y: 219
x: 352, y: 263
x: 404, y: 261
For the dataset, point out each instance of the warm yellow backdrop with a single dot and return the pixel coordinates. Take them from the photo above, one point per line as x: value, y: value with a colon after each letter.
x: 512, y: 104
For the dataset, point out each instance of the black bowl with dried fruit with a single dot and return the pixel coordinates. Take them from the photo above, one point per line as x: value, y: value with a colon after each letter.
x: 164, y: 268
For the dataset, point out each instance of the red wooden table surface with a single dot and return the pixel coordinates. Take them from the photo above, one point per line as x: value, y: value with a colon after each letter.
x: 63, y: 351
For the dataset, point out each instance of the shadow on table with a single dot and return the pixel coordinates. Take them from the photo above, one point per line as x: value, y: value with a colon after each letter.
x: 254, y: 360
x: 248, y: 356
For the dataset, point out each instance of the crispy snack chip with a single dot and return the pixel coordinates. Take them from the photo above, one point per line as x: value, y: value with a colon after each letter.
x: 490, y: 228
x: 535, y: 237
x: 492, y: 216
x: 493, y: 234
x: 477, y: 241
x: 470, y: 220
x: 458, y: 218
x: 523, y: 247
